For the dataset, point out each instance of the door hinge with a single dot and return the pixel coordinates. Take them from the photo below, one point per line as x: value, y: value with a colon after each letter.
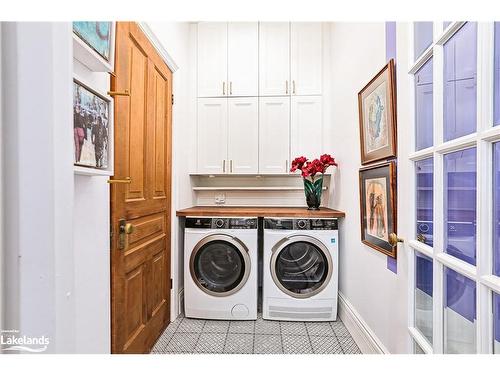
x: 172, y: 99
x: 171, y: 284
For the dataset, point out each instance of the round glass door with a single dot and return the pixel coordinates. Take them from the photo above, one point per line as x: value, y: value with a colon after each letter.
x: 302, y: 268
x: 219, y: 267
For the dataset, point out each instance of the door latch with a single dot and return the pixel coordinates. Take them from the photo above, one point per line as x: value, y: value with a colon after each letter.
x: 124, y: 229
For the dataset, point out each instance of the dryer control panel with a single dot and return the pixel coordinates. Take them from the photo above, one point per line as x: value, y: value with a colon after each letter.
x: 221, y: 223
x: 301, y: 224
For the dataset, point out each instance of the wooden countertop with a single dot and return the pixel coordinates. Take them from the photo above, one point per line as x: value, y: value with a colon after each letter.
x: 253, y: 211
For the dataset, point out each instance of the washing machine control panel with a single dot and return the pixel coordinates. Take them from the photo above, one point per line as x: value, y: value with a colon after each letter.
x: 301, y: 224
x: 221, y: 223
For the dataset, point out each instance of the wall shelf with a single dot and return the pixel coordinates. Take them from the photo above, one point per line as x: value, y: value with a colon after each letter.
x: 250, y: 188
x: 256, y: 175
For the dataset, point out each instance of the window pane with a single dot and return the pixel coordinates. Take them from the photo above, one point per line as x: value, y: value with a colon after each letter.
x: 425, y: 184
x: 423, y: 106
x: 460, y: 204
x: 459, y: 313
x: 422, y: 37
x: 423, y: 295
x: 496, y: 208
x: 496, y: 105
x: 460, y: 66
x: 417, y: 349
x: 496, y: 323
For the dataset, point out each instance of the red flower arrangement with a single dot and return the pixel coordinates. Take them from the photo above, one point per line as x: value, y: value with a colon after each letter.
x: 311, y: 168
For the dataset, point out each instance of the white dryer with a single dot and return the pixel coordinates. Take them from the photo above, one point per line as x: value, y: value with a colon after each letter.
x: 220, y: 268
x: 300, y: 277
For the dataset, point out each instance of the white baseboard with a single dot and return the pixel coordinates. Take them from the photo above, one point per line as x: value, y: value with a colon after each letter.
x: 364, y: 337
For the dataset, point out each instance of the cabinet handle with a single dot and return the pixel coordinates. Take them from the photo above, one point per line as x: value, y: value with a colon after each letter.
x: 286, y: 87
x: 223, y: 88
x: 293, y: 87
x: 231, y: 166
x: 223, y: 166
x: 230, y: 87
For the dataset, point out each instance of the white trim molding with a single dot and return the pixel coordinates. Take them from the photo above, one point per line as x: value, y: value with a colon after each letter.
x: 362, y: 334
x: 158, y: 46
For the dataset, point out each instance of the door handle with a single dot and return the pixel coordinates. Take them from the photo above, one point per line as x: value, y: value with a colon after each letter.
x: 394, y: 239
x: 126, y: 180
x: 119, y: 93
x: 124, y: 229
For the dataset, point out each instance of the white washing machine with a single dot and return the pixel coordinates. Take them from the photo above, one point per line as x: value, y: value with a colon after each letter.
x: 300, y: 269
x: 220, y: 268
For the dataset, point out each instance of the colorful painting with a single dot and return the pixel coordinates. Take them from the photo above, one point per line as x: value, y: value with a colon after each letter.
x: 377, y: 117
x: 377, y: 187
x: 90, y: 127
x: 96, y: 34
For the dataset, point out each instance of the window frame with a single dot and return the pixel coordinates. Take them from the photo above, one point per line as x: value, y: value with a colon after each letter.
x: 484, y: 137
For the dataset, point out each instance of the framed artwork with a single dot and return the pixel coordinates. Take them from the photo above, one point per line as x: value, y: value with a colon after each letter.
x: 92, y: 130
x: 95, y: 34
x: 377, y: 116
x: 377, y: 189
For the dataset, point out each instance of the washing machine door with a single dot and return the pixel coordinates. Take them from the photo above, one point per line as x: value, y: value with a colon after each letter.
x: 301, y: 266
x: 220, y: 265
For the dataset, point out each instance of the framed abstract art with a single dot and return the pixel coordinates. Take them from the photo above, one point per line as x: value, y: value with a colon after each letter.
x: 377, y: 189
x: 377, y: 116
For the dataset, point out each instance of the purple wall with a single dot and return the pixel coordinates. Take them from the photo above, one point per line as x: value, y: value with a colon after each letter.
x: 460, y: 72
x: 422, y: 37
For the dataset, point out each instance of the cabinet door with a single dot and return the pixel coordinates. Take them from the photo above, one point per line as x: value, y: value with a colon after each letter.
x: 243, y: 60
x: 274, y: 58
x: 212, y: 135
x: 306, y: 127
x: 306, y: 58
x: 212, y: 59
x: 243, y: 138
x: 274, y: 134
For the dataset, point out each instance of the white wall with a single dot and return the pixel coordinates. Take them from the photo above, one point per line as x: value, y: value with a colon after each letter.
x: 178, y: 39
x: 38, y: 185
x: 378, y: 295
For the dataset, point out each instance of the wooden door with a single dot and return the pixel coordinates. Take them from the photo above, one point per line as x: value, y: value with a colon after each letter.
x: 306, y: 129
x: 306, y: 51
x: 243, y: 135
x: 140, y: 261
x: 243, y: 58
x: 274, y: 134
x: 212, y: 59
x: 212, y: 135
x: 274, y: 58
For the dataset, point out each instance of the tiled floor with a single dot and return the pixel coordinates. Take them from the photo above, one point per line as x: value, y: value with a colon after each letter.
x: 186, y: 335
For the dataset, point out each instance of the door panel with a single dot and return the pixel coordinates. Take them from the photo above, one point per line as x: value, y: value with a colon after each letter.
x: 212, y: 135
x: 140, y: 255
x: 274, y: 134
x: 274, y: 58
x: 243, y: 60
x: 306, y: 58
x: 306, y: 126
x: 243, y: 136
x: 212, y: 59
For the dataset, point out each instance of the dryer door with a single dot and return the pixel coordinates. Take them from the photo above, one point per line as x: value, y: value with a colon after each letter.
x: 301, y: 266
x: 220, y: 265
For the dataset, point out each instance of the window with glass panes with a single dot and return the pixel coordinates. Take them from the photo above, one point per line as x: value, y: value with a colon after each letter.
x: 455, y: 249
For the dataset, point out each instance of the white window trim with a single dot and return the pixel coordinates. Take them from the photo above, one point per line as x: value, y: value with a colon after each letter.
x: 482, y: 139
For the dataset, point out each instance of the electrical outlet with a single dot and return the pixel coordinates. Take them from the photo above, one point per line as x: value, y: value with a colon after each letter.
x: 220, y: 198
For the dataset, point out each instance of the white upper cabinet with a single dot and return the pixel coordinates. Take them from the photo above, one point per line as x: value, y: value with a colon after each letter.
x: 212, y: 135
x: 306, y: 127
x: 274, y: 58
x: 212, y: 59
x: 243, y: 137
x: 306, y: 58
x: 243, y: 58
x: 274, y: 134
